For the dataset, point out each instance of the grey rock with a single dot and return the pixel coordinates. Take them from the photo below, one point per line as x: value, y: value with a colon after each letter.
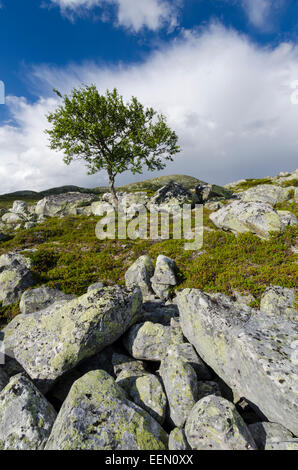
x: 62, y: 204
x: 96, y: 415
x: 26, y: 417
x: 15, y: 277
x: 186, y: 353
x: 164, y: 276
x: 267, y: 433
x: 206, y: 192
x: 278, y: 300
x: 158, y: 312
x: 261, y: 348
x: 181, y: 385
x: 287, y: 219
x: 95, y: 286
x: 284, y: 445
x: 49, y: 345
x: 267, y: 193
x: 177, y: 440
x: 39, y: 299
x: 215, y: 424
x: 172, y: 194
x: 139, y: 274
x: 147, y: 341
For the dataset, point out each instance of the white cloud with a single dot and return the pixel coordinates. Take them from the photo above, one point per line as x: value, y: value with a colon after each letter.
x: 228, y: 99
x: 132, y: 14
x: 258, y: 11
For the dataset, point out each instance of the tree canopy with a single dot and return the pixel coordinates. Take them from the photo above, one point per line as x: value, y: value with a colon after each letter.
x: 109, y: 134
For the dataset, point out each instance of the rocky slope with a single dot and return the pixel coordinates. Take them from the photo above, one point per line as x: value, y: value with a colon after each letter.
x: 153, y: 364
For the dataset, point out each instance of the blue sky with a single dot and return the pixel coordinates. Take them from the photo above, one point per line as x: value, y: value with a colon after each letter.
x: 220, y: 70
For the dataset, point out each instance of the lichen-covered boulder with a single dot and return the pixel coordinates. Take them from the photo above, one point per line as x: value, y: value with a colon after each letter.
x: 210, y: 192
x: 39, y: 299
x: 283, y: 445
x: 96, y: 415
x: 265, y: 434
x: 278, y: 300
x: 240, y: 217
x: 177, y: 440
x: 215, y: 424
x: 49, y: 345
x: 26, y: 417
x: 172, y: 194
x: 148, y: 341
x: 3, y: 378
x: 181, y: 385
x: 164, y: 276
x: 139, y: 274
x: 15, y: 277
x: 254, y: 353
x: 268, y: 193
x: 145, y: 390
x: 62, y: 204
x: 287, y: 219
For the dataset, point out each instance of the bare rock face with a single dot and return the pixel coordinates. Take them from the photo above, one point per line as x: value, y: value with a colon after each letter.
x: 48, y: 345
x: 254, y: 353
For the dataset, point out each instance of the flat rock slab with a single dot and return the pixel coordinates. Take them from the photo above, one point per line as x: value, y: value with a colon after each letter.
x: 254, y: 353
x: 48, y: 345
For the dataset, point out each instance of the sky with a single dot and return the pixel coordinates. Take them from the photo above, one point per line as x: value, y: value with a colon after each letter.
x: 224, y: 73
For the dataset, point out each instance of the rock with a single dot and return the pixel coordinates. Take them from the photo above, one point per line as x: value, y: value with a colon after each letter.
x: 213, y: 205
x: 181, y: 385
x: 26, y: 417
x: 243, y: 299
x: 139, y: 274
x: 287, y: 219
x: 20, y: 207
x: 177, y: 440
x: 122, y: 363
x: 12, y: 219
x: 170, y: 195
x: 148, y: 341
x: 49, y: 345
x: 215, y: 424
x: 164, y: 276
x: 63, y: 385
x: 39, y: 299
x: 99, y: 208
x: 285, y: 445
x: 3, y: 379
x: 96, y: 285
x: 62, y: 204
x: 96, y: 415
x: 158, y: 312
x: 15, y: 277
x: 186, y: 353
x: 206, y: 388
x: 268, y: 433
x: 266, y: 193
x: 240, y: 217
x: 261, y: 349
x: 146, y: 391
x: 278, y: 300
x: 206, y: 192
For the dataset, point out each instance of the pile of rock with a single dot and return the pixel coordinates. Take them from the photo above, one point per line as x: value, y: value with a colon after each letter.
x: 112, y: 370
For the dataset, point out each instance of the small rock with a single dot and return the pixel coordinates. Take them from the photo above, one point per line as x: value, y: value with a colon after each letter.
x: 164, y: 276
x: 278, y: 300
x: 139, y: 274
x: 15, y: 277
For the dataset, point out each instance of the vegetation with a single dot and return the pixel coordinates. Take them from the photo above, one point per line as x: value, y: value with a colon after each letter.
x: 251, y: 183
x: 68, y: 256
x: 110, y: 135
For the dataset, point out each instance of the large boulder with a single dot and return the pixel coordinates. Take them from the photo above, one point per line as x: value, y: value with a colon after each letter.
x: 164, y: 277
x: 15, y: 277
x: 96, y: 415
x: 278, y: 300
x: 39, y: 299
x: 60, y: 205
x: 267, y: 193
x: 139, y: 274
x: 256, y: 217
x: 26, y: 417
x: 254, y: 353
x: 171, y: 195
x: 48, y: 345
x: 215, y: 424
x: 181, y: 385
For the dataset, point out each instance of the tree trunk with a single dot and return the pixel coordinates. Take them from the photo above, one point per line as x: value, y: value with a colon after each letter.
x: 113, y: 192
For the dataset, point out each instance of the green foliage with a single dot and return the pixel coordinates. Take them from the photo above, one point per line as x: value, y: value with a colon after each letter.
x: 7, y: 313
x: 109, y: 134
x: 293, y: 182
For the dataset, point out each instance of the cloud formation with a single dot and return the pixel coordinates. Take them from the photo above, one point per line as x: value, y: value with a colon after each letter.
x: 258, y: 11
x: 131, y: 14
x: 228, y: 99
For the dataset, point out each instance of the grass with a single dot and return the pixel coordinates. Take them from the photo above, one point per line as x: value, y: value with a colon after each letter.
x: 251, y: 183
x: 68, y: 256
